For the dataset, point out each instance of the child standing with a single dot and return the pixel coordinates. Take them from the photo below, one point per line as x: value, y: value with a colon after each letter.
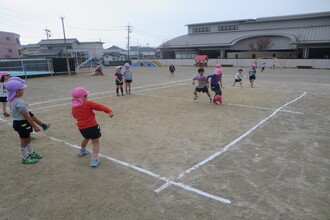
x: 252, y: 75
x: 218, y: 66
x: 3, y: 92
x: 128, y: 76
x: 119, y: 81
x: 23, y: 122
x: 172, y: 70
x: 215, y: 87
x: 202, y: 84
x: 238, y: 77
x: 82, y: 111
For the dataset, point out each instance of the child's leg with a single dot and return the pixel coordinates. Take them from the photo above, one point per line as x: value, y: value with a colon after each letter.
x: 126, y: 86
x: 95, y: 156
x: 241, y: 83
x: 117, y: 90
x: 84, y: 143
x: 121, y: 90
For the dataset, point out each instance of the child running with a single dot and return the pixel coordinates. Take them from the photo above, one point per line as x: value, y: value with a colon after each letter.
x: 128, y: 76
x: 3, y: 92
x: 215, y: 87
x: 82, y: 111
x: 218, y: 66
x: 238, y: 77
x: 23, y: 122
x: 252, y: 75
x: 119, y: 81
x: 202, y: 84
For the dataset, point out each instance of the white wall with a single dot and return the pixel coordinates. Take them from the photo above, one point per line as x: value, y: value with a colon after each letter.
x: 289, y: 63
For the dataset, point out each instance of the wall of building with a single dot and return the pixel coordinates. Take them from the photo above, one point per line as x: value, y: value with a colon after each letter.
x: 249, y: 55
x: 289, y: 63
x: 10, y: 45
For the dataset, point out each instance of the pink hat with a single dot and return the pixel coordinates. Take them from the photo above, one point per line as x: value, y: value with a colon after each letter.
x: 15, y: 78
x: 118, y: 67
x: 254, y: 65
x: 3, y: 74
x: 12, y: 87
x: 218, y: 65
x: 218, y: 72
x: 78, y: 95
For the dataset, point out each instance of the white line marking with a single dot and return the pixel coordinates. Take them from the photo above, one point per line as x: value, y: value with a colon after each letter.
x: 229, y: 145
x: 245, y: 106
x: 147, y: 172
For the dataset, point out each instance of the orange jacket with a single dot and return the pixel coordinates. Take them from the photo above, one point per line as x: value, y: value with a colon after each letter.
x: 85, y: 116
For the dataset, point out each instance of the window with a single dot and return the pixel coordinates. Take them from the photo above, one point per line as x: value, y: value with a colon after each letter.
x: 201, y: 29
x: 227, y: 27
x: 9, y: 50
x: 236, y: 56
x: 7, y: 38
x: 253, y: 56
x: 17, y: 41
x: 274, y: 55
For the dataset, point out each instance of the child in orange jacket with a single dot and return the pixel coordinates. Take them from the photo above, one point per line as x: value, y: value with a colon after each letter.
x: 82, y: 111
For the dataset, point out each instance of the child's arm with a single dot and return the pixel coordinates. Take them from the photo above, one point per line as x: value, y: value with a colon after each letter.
x: 99, y: 107
x: 31, y: 122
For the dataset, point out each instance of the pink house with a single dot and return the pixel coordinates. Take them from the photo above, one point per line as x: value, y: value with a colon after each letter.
x: 10, y: 46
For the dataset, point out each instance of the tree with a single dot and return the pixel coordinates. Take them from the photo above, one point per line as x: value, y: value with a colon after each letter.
x: 261, y: 44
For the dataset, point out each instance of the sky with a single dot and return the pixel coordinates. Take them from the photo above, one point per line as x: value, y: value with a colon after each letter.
x: 152, y: 22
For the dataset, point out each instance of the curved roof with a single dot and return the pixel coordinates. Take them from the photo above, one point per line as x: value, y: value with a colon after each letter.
x: 305, y: 35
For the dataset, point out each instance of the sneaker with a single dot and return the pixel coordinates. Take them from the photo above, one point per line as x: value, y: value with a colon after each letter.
x: 117, y: 94
x: 122, y: 94
x: 210, y: 100
x: 95, y: 162
x: 196, y: 97
x: 35, y: 155
x: 215, y: 102
x: 29, y: 160
x: 81, y: 153
x: 45, y: 126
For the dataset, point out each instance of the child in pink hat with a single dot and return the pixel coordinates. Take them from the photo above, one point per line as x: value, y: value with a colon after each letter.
x: 3, y: 92
x: 82, y: 111
x: 252, y: 75
x: 22, y: 121
x: 218, y: 67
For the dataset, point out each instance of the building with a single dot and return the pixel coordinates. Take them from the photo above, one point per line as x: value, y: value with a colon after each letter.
x: 10, y: 45
x: 293, y: 36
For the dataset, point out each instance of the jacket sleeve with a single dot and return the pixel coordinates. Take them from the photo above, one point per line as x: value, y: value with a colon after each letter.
x: 99, y: 107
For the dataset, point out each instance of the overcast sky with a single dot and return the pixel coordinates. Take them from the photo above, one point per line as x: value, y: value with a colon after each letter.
x: 153, y: 21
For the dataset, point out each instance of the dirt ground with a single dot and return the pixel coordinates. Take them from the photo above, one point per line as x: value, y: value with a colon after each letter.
x: 262, y: 154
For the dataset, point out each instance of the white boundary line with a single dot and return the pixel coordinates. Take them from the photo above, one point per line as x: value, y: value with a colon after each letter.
x: 228, y: 145
x: 139, y: 169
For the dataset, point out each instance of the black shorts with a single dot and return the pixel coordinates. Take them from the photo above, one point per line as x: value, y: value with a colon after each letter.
x: 119, y: 83
x: 128, y: 80
x: 203, y: 90
x: 23, y: 128
x: 3, y: 99
x: 216, y: 89
x: 252, y: 77
x: 91, y: 133
x: 238, y: 80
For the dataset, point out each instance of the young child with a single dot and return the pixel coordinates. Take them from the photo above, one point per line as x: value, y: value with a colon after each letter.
x: 215, y: 87
x: 202, y: 84
x: 82, y: 111
x: 98, y: 71
x: 172, y: 70
x: 35, y: 119
x: 23, y: 122
x: 252, y: 75
x: 128, y: 78
x: 119, y: 81
x: 238, y: 77
x: 218, y: 66
x: 3, y: 92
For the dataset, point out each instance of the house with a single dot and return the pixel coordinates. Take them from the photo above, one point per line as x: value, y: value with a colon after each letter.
x: 10, y: 45
x: 292, y: 36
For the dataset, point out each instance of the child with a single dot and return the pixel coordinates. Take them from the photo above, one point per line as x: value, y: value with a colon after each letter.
x: 128, y: 78
x: 3, y: 92
x: 119, y: 81
x: 82, y: 111
x: 23, y: 122
x: 238, y: 77
x: 215, y: 87
x: 252, y: 75
x: 98, y: 71
x: 172, y: 70
x: 35, y: 119
x: 202, y: 84
x: 218, y: 66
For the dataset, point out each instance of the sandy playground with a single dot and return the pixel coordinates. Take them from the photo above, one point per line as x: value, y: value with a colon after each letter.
x: 262, y: 154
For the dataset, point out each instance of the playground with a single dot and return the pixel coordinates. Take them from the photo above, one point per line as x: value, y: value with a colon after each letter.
x: 262, y: 154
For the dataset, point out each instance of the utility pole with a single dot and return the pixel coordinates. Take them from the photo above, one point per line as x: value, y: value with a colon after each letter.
x: 128, y: 32
x: 47, y: 33
x: 137, y: 49
x: 66, y: 49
